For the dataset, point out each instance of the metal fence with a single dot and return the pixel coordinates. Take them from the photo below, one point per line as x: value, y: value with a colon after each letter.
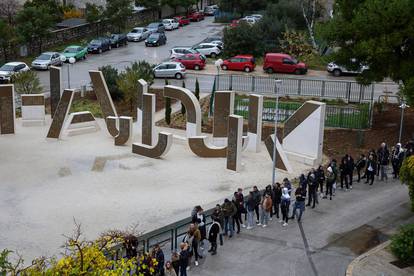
x: 350, y: 116
x: 349, y: 91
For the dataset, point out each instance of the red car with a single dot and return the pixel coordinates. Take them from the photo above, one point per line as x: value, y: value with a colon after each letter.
x: 192, y: 61
x: 196, y: 16
x: 244, y: 63
x: 234, y: 23
x: 182, y: 20
x: 283, y: 63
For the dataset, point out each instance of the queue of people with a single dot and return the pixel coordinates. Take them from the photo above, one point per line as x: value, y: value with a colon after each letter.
x: 260, y: 207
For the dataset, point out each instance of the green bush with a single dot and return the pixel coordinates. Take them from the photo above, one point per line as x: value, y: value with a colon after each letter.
x: 402, y: 244
x: 111, y: 76
x: 407, y: 177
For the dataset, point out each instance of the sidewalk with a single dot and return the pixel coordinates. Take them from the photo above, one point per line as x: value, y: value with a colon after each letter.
x: 329, y: 238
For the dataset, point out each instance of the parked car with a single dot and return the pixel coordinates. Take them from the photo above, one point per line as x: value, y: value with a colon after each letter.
x: 234, y: 23
x: 257, y: 16
x: 338, y: 70
x: 218, y: 43
x: 170, y: 24
x: 210, y: 10
x: 138, y: 34
x: 239, y: 63
x: 192, y: 61
x: 118, y: 40
x: 157, y: 27
x: 169, y: 70
x: 208, y: 49
x: 156, y: 39
x: 181, y: 51
x: 182, y: 20
x: 210, y: 39
x: 283, y: 63
x: 196, y: 16
x: 75, y: 51
x: 11, y: 68
x: 47, y: 59
x: 99, y: 45
x: 248, y: 20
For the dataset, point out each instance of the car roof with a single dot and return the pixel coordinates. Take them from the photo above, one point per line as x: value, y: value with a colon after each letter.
x: 169, y: 62
x: 278, y: 54
x: 49, y: 53
x: 73, y: 46
x: 206, y: 43
x: 243, y: 56
x: 138, y: 28
x: 14, y: 63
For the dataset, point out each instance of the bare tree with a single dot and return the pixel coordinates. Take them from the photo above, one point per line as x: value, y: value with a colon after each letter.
x: 9, y: 9
x: 309, y: 12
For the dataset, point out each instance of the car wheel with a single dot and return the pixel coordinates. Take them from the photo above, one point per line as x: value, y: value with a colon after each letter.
x: 178, y: 76
x: 298, y: 72
x: 110, y: 48
x: 197, y: 67
x: 224, y: 67
x: 213, y: 55
x: 247, y: 69
x: 269, y: 70
x: 84, y: 57
x: 117, y: 45
x: 100, y: 51
x: 337, y: 73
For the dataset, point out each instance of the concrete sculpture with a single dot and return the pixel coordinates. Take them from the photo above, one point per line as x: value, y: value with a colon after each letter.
x: 33, y: 109
x: 307, y: 123
x: 142, y: 89
x: 192, y: 107
x: 7, y: 109
x: 254, y: 132
x: 55, y: 88
x: 282, y: 161
x: 234, y: 147
x: 123, y: 126
x: 61, y: 113
x: 148, y: 120
x: 160, y: 149
x: 80, y: 123
x: 223, y: 108
x: 198, y: 145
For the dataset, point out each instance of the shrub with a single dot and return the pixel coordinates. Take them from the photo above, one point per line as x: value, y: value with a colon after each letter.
x: 182, y: 106
x: 111, y: 77
x: 407, y: 177
x: 402, y: 244
x: 26, y: 83
x: 167, y: 107
x: 197, y: 89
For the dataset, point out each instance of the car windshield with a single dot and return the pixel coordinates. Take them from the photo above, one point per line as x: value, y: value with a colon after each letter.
x: 154, y: 36
x: 7, y: 67
x: 44, y: 57
x: 135, y: 31
x: 153, y: 25
x: 166, y: 21
x: 295, y: 61
x: 95, y: 42
x: 71, y: 50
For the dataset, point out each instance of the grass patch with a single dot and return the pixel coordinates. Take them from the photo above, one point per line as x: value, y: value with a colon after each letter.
x: 87, y: 105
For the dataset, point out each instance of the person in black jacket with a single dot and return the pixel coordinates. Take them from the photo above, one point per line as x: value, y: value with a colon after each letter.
x: 383, y: 160
x: 343, y: 169
x: 277, y: 194
x: 237, y: 215
x: 320, y: 174
x: 184, y: 257
x: 213, y: 231
x: 312, y: 187
x: 360, y: 165
x: 350, y: 169
x: 371, y: 169
x: 200, y: 219
x: 159, y: 256
x: 300, y: 195
x: 397, y: 158
x: 258, y: 199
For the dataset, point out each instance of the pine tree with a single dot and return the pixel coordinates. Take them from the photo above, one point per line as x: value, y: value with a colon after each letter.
x: 197, y: 90
x: 182, y: 106
x: 167, y: 107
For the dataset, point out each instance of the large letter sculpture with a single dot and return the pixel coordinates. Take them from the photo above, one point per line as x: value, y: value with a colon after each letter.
x: 61, y: 113
x: 33, y: 109
x: 123, y: 126
x: 104, y: 98
x: 80, y: 123
x: 148, y: 148
x: 7, y: 109
x: 282, y: 161
x: 255, y: 122
x: 142, y: 89
x: 55, y: 88
x: 303, y: 133
x: 223, y: 108
x: 234, y: 147
x: 192, y: 107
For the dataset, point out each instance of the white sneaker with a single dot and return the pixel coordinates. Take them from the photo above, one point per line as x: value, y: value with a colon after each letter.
x: 249, y: 227
x: 264, y: 225
x: 284, y: 224
x: 244, y: 226
x: 196, y: 263
x: 270, y: 219
x: 188, y: 268
x: 280, y: 220
x: 259, y: 224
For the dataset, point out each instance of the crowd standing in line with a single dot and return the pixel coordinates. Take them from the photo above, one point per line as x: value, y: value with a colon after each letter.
x: 259, y: 208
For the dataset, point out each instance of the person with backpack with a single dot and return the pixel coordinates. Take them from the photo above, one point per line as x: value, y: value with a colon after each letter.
x: 229, y: 210
x: 217, y: 215
x: 200, y: 219
x: 285, y: 203
x: 257, y: 198
x: 266, y: 207
x: 213, y: 231
x: 277, y: 195
x: 240, y: 206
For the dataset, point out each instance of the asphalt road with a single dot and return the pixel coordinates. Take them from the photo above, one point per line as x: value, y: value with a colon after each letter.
x: 187, y: 36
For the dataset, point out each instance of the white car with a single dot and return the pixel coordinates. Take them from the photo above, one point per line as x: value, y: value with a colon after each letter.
x: 257, y: 16
x: 338, y: 70
x: 138, y: 34
x: 249, y: 20
x: 169, y: 70
x: 170, y: 24
x: 218, y: 43
x: 181, y: 51
x: 208, y: 49
x: 11, y: 68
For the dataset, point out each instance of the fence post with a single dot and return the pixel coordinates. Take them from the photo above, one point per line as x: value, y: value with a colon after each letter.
x: 323, y: 89
x: 175, y: 238
x: 372, y: 91
x: 299, y: 86
x: 341, y: 117
x: 231, y: 83
x: 253, y: 83
x: 348, y: 91
x: 361, y: 90
x: 172, y: 240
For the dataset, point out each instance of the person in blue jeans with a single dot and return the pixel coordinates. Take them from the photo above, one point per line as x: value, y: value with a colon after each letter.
x: 250, y: 207
x: 300, y: 195
x: 229, y: 210
x: 184, y: 257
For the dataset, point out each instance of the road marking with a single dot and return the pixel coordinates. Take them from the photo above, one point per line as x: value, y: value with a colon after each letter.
x: 307, y: 251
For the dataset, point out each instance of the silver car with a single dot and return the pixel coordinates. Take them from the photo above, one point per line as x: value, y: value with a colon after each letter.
x: 339, y: 70
x: 138, y: 34
x: 11, y: 68
x: 169, y: 70
x: 47, y: 59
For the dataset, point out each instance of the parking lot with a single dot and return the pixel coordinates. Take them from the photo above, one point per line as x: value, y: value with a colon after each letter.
x: 135, y: 51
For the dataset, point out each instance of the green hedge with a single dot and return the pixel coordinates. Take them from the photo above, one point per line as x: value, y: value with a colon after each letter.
x: 402, y: 244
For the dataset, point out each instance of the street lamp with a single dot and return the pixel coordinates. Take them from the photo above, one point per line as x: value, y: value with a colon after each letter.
x: 71, y: 61
x: 277, y: 83
x: 402, y: 106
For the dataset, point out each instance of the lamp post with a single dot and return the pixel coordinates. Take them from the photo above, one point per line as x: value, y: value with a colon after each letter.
x: 277, y: 83
x: 71, y: 61
x: 402, y: 106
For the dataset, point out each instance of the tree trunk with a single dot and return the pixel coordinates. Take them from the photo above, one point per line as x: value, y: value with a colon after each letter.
x: 310, y: 22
